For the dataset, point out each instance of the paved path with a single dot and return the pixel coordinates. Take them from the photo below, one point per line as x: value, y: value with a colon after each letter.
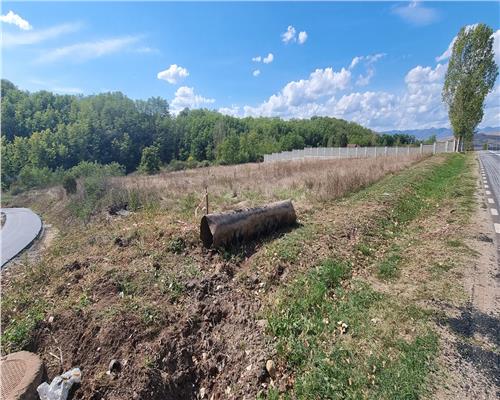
x: 490, y: 175
x: 21, y: 227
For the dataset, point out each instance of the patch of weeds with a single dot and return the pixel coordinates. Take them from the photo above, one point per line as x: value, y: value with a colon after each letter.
x: 192, y: 269
x: 148, y: 362
x: 289, y: 247
x: 170, y: 285
x: 454, y: 243
x: 388, y: 268
x: 363, y: 249
x: 18, y: 333
x: 83, y: 301
x: 439, y: 267
x: 188, y: 204
x: 327, y: 333
x: 126, y: 285
x: 176, y: 245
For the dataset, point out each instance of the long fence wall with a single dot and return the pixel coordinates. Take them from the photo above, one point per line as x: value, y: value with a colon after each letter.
x: 359, y: 152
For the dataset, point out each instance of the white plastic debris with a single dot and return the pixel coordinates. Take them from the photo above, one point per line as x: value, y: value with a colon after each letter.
x: 60, y: 385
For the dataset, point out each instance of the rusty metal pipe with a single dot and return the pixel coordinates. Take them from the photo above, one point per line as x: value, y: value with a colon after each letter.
x: 219, y: 230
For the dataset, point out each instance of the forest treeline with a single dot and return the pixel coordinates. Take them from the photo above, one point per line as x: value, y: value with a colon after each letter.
x: 44, y: 133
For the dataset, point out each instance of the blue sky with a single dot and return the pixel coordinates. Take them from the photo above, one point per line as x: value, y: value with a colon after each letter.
x: 379, y: 64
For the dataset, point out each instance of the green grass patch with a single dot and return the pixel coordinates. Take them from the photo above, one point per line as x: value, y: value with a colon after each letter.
x: 18, y: 333
x: 348, y: 341
x: 389, y: 267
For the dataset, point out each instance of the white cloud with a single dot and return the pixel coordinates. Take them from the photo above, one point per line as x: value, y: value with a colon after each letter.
x: 185, y: 97
x: 256, y: 72
x: 14, y: 19
x: 257, y: 59
x: 299, y: 94
x: 289, y: 35
x: 364, y: 80
x: 173, y: 74
x: 233, y: 111
x: 37, y: 36
x: 496, y: 46
x: 355, y: 61
x: 88, y: 50
x: 269, y: 59
x: 367, y: 61
x: 416, y: 14
x: 302, y: 37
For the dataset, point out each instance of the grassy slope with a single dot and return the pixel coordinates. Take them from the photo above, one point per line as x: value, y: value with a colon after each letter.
x: 355, y: 261
x: 350, y: 337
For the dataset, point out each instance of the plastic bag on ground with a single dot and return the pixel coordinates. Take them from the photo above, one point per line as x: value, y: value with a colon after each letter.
x: 60, y: 385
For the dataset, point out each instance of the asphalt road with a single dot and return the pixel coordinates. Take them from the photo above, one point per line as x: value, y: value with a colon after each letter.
x: 21, y: 227
x: 490, y: 175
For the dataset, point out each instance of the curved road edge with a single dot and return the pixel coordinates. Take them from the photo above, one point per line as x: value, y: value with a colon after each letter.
x: 21, y: 228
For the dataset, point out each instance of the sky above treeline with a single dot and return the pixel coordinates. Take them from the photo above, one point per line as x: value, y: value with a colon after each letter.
x: 381, y: 64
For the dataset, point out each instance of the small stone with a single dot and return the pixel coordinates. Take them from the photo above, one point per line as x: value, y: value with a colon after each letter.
x: 51, y: 319
x: 203, y: 393
x: 262, y: 323
x: 271, y: 368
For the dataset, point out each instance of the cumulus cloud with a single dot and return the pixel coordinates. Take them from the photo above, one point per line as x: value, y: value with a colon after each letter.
x: 256, y: 72
x: 289, y: 35
x: 233, y: 111
x: 297, y: 95
x: 416, y: 14
x: 10, y: 39
x: 268, y: 59
x: 185, y: 97
x: 14, y: 19
x: 173, y: 74
x: 418, y: 106
x: 302, y: 37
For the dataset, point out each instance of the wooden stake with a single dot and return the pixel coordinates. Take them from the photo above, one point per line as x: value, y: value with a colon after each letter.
x: 206, y: 200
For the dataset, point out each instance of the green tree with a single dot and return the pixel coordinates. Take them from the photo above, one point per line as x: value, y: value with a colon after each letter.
x: 470, y: 77
x: 150, y: 160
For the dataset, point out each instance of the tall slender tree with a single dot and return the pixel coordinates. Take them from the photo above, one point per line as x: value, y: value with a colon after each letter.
x: 471, y: 74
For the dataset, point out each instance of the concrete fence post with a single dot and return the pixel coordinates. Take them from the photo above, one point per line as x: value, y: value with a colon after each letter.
x: 454, y: 145
x: 421, y: 148
x: 396, y: 151
x: 375, y: 151
x: 446, y: 147
x: 356, y: 152
x: 340, y: 156
x: 366, y: 152
x: 385, y: 151
x: 434, y: 148
x: 408, y: 149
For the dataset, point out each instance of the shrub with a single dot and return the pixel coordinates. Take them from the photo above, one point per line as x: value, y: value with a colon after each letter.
x: 150, y: 160
x: 69, y: 184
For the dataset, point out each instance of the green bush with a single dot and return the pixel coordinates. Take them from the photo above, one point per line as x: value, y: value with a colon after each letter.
x: 150, y: 160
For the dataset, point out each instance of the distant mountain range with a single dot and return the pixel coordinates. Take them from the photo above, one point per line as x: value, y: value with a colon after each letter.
x: 441, y: 133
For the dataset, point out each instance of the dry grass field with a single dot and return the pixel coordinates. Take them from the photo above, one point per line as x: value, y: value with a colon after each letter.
x: 337, y: 307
